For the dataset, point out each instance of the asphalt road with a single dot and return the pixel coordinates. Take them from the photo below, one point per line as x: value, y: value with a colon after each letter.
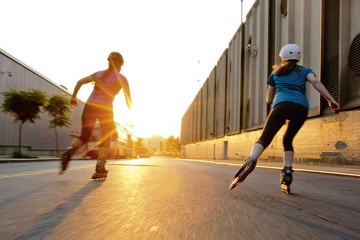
x: 163, y: 198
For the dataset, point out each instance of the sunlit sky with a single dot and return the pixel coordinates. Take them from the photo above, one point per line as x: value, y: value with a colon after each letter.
x: 169, y: 48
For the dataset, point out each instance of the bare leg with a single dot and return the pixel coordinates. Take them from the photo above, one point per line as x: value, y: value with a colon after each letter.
x: 256, y: 151
x: 248, y: 165
x: 288, y: 158
x: 103, y: 154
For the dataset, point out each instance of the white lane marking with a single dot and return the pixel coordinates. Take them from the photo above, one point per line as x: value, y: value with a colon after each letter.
x: 20, y: 174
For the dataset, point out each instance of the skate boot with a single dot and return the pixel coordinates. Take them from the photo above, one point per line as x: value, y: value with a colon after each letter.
x: 100, y: 171
x: 243, y: 172
x: 286, y: 179
x: 65, y: 159
x: 70, y: 151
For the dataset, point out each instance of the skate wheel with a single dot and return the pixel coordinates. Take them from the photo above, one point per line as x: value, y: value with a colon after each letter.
x: 99, y: 176
x: 285, y: 188
x: 234, y: 183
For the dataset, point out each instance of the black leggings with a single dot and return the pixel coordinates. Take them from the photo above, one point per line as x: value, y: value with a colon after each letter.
x: 295, y: 113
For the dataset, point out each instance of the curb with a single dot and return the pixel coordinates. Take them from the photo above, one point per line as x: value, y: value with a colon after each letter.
x: 340, y: 174
x: 333, y: 173
x: 13, y: 160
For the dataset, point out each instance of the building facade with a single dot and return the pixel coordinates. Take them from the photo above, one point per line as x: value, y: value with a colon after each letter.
x: 227, y: 115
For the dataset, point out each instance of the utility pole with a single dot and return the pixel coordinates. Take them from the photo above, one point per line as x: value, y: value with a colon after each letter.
x: 241, y: 11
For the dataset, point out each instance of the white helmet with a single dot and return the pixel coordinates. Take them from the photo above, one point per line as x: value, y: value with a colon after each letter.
x: 290, y: 52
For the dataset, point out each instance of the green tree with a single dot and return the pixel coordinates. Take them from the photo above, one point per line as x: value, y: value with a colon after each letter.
x: 172, y: 145
x: 58, y: 107
x: 25, y: 106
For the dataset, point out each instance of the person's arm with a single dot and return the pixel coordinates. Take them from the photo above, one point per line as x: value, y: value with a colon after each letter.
x: 270, y: 93
x: 125, y: 85
x: 311, y: 77
x: 73, y: 101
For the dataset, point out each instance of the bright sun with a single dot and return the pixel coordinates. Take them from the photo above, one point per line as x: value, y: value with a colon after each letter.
x: 145, y: 120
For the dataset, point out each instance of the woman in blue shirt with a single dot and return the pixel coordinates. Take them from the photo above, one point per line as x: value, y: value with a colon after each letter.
x: 286, y: 93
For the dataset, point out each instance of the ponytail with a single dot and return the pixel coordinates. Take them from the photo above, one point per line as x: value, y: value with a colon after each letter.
x: 285, y: 67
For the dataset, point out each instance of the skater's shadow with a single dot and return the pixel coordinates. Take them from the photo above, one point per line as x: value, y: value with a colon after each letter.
x: 50, y: 220
x: 310, y: 223
x: 332, y: 203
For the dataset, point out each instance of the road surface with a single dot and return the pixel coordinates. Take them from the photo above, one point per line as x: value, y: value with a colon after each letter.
x: 165, y: 198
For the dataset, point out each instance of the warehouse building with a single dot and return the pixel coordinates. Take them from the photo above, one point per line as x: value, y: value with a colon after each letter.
x: 228, y: 113
x: 37, y: 138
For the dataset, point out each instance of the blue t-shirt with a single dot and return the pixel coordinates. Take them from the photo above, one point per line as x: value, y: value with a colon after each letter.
x: 290, y: 87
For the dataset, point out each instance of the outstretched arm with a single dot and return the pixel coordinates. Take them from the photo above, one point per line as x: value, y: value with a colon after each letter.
x: 323, y: 91
x: 126, y: 88
x: 73, y: 101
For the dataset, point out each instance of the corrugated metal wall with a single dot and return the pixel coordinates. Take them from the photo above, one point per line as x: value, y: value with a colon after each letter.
x: 255, y: 68
x: 191, y: 125
x: 220, y: 95
x: 325, y: 30
x: 185, y: 128
x: 343, y: 82
x: 234, y: 84
x: 204, y: 111
x: 197, y: 115
x: 37, y: 136
x: 211, y: 105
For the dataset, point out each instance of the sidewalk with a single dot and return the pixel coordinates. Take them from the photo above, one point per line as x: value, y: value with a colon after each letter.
x: 8, y: 159
x: 338, y: 170
x: 349, y: 171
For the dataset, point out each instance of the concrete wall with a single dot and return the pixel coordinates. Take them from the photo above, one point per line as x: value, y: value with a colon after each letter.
x: 333, y: 139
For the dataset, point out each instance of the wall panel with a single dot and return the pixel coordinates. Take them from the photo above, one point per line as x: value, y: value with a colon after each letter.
x: 197, y: 120
x: 211, y: 105
x: 234, y: 84
x: 256, y: 68
x: 220, y: 88
x: 204, y: 110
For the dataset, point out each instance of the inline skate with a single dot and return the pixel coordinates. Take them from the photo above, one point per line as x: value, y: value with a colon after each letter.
x: 286, y: 179
x: 100, y: 171
x: 243, y: 172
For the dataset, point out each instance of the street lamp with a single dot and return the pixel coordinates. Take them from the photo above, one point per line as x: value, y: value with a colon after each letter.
x: 8, y: 73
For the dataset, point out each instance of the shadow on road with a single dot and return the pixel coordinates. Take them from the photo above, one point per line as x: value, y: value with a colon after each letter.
x: 49, y: 221
x: 20, y: 196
